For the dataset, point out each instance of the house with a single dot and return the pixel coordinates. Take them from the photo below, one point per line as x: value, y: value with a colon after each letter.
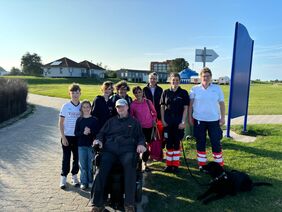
x: 66, y: 67
x: 223, y: 80
x: 93, y: 70
x: 3, y: 71
x: 132, y: 75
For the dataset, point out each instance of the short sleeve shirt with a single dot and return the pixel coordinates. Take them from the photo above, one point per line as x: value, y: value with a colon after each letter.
x: 206, y: 102
x: 71, y: 113
x: 174, y: 102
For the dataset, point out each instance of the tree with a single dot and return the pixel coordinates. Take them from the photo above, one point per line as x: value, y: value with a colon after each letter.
x: 15, y: 71
x: 177, y: 65
x: 31, y: 64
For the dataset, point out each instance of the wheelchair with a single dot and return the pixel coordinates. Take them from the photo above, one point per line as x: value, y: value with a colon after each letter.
x: 114, y: 189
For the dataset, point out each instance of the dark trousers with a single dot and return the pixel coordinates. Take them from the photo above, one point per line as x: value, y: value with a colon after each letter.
x: 147, y: 134
x: 174, y: 136
x: 128, y: 161
x: 67, y: 150
x: 214, y: 131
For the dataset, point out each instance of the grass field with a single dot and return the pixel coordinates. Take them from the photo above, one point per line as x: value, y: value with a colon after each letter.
x: 262, y: 160
x: 264, y: 98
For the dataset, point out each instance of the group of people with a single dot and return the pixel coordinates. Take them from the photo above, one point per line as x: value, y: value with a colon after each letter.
x: 122, y: 126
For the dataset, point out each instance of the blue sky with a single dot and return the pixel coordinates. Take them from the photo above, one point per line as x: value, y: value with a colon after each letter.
x: 132, y: 33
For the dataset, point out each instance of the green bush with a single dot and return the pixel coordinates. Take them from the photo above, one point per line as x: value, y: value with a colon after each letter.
x: 13, y: 98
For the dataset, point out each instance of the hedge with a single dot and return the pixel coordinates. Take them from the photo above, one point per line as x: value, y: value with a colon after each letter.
x: 13, y: 98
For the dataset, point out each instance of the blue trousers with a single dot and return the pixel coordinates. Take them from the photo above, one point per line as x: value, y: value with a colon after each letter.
x: 85, y: 164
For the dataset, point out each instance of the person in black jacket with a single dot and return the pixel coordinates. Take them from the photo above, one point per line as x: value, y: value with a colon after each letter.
x: 154, y: 92
x: 120, y: 138
x: 122, y: 88
x: 174, y: 109
x: 102, y: 107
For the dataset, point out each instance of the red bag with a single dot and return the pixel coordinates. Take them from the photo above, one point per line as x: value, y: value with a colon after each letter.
x: 155, y: 146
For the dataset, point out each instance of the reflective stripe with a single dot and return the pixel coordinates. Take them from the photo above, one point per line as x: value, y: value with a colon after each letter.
x: 202, y: 159
x: 175, y: 158
x: 202, y: 155
x: 176, y: 152
x: 168, y: 158
x: 218, y: 160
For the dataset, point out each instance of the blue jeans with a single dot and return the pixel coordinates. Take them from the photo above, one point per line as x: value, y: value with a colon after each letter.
x: 86, y: 155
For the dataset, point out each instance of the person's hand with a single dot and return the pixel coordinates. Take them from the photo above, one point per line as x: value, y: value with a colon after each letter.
x: 87, y: 131
x: 96, y: 141
x: 141, y: 149
x: 65, y: 141
x: 191, y: 121
x: 164, y: 123
x: 181, y: 126
x: 222, y: 121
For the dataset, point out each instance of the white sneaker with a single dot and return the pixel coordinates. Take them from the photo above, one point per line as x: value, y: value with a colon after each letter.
x: 90, y: 185
x: 74, y: 180
x: 83, y: 187
x: 63, y: 182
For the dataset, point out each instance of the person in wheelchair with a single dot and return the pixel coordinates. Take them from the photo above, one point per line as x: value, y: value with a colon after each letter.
x: 120, y: 138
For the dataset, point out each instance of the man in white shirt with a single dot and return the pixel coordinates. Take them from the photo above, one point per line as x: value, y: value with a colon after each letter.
x: 207, y: 113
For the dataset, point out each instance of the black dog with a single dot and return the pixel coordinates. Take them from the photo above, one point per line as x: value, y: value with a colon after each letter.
x: 226, y: 183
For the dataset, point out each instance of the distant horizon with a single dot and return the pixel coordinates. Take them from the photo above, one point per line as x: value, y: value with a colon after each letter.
x: 130, y: 34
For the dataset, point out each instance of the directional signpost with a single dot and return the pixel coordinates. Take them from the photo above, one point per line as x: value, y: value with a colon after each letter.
x: 205, y: 55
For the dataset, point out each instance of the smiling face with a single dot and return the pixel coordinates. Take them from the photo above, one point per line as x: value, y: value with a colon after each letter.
x: 152, y: 80
x: 174, y: 82
x: 138, y: 94
x: 122, y: 110
x: 108, y: 91
x: 75, y: 95
x: 122, y: 91
x: 86, y: 109
x: 206, y: 78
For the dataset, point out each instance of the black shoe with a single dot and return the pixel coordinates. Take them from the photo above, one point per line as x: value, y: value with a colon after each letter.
x: 175, y: 169
x: 168, y: 169
x: 147, y: 169
x: 203, y: 170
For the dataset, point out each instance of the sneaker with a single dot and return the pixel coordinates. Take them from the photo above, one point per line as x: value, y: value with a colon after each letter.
x: 90, y: 185
x: 83, y: 187
x: 168, y: 169
x: 74, y: 180
x: 63, y: 182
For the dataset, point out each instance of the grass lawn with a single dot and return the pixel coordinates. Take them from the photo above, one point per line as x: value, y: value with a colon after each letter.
x: 264, y: 98
x: 262, y: 160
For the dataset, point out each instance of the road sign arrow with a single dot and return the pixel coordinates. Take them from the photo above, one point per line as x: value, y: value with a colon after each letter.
x: 205, y: 55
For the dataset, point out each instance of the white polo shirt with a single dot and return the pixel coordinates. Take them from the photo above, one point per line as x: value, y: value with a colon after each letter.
x: 206, y: 102
x: 71, y: 113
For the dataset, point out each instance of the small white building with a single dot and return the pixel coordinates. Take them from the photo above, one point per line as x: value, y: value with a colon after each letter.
x: 195, y: 80
x: 223, y: 80
x: 3, y: 71
x: 64, y: 67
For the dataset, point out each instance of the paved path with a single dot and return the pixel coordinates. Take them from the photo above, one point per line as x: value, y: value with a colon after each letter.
x: 30, y: 162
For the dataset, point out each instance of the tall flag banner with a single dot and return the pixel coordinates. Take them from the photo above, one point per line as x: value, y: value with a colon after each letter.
x: 240, y: 75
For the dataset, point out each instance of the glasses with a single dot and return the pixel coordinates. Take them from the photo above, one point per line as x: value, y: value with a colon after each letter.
x: 207, y: 76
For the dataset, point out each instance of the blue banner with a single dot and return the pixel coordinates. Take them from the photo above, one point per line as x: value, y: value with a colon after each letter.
x: 240, y: 73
